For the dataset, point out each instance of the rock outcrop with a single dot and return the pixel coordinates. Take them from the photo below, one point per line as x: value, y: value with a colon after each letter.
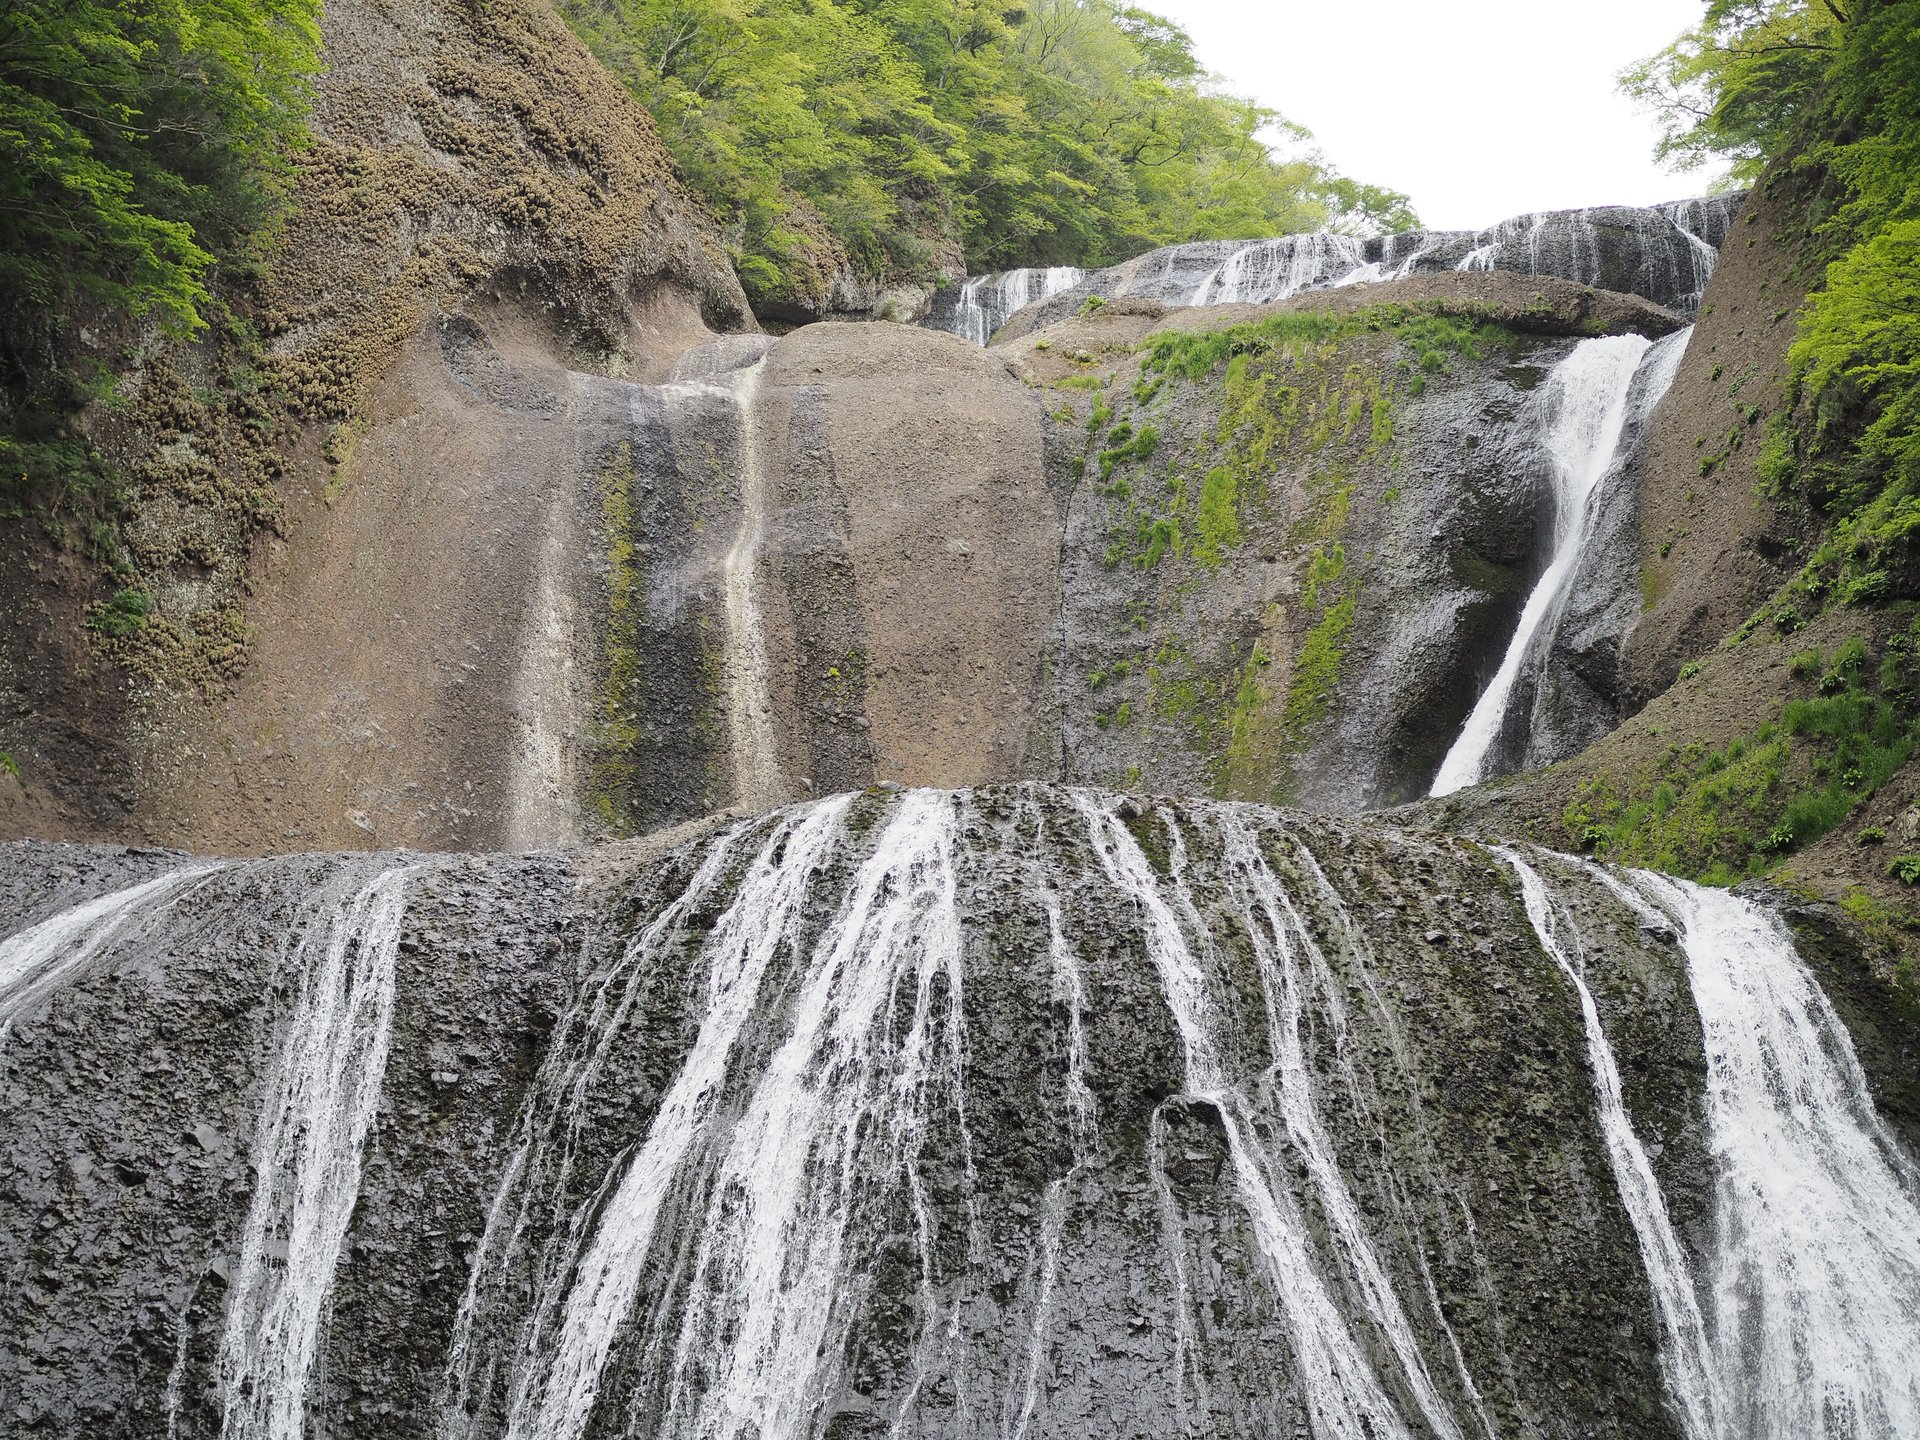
x: 1063, y: 1113
x: 467, y: 160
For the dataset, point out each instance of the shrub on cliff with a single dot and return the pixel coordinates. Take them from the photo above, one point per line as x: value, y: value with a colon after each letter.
x: 1827, y: 92
x: 142, y: 142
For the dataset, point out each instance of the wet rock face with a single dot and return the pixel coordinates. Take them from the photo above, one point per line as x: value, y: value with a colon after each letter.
x: 1664, y: 254
x: 1038, y: 1181
x: 1290, y: 578
x: 132, y: 1106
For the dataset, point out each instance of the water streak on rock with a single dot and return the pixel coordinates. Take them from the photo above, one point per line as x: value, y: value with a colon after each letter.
x: 756, y: 764
x: 42, y: 958
x: 319, y: 1110
x: 1685, y: 1353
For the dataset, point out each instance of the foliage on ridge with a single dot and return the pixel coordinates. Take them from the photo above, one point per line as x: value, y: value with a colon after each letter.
x: 1828, y: 95
x: 143, y: 145
x: 1823, y: 96
x: 1056, y: 132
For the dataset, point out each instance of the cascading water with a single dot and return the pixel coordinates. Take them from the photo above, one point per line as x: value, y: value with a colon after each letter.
x: 556, y: 1398
x: 937, y: 1114
x: 1691, y: 1374
x: 319, y: 1111
x: 1664, y: 253
x: 1271, y: 270
x: 1344, y: 1396
x: 1816, y: 1265
x: 44, y: 957
x: 1585, y: 410
x: 756, y: 764
x: 986, y: 301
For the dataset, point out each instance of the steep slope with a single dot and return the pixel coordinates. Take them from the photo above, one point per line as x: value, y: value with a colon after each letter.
x: 1766, y: 733
x: 1304, y: 532
x: 1711, y: 546
x: 463, y: 156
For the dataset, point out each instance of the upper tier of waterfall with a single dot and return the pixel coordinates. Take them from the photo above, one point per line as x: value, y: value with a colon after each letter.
x: 937, y: 1113
x: 1664, y: 253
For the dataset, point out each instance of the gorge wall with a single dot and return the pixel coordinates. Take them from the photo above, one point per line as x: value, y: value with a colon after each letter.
x: 464, y: 159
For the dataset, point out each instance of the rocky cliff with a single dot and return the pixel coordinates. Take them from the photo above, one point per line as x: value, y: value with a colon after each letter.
x: 467, y: 160
x: 1019, y: 1109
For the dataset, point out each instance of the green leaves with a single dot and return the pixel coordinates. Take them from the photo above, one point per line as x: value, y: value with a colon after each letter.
x: 138, y: 141
x: 1065, y: 131
x: 1832, y: 91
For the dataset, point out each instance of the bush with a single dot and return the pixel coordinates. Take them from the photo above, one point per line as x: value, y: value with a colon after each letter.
x: 125, y: 614
x: 1905, y: 869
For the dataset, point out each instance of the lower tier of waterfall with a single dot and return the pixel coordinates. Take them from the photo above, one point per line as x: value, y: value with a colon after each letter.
x: 1019, y: 1111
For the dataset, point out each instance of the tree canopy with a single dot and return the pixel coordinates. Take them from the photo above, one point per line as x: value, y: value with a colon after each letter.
x: 141, y: 139
x: 1053, y: 132
x: 142, y: 142
x: 1825, y: 95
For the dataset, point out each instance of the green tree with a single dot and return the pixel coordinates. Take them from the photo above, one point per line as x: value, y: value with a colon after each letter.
x: 1061, y: 131
x: 1828, y: 93
x: 142, y: 138
x: 141, y: 143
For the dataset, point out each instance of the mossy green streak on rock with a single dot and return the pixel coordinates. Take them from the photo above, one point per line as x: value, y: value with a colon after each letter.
x: 617, y: 767
x: 1310, y: 391
x: 1719, y: 813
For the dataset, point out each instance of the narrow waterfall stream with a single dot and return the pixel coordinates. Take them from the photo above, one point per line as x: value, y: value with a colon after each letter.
x: 1685, y: 1355
x: 42, y: 958
x: 319, y: 1111
x: 1344, y: 1396
x: 1587, y: 403
x: 1020, y: 1111
x: 757, y: 782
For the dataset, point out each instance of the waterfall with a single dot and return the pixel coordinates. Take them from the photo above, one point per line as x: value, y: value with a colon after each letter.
x: 1705, y: 223
x: 986, y: 302
x: 553, y: 1399
x: 1663, y: 253
x: 1685, y: 1355
x: 318, y: 1113
x: 1585, y: 402
x: 1270, y: 270
x: 1343, y: 1395
x: 1281, y: 940
x: 841, y: 1104
x: 1816, y: 1265
x: 756, y: 765
x: 936, y: 1114
x: 44, y: 957
x: 1069, y: 992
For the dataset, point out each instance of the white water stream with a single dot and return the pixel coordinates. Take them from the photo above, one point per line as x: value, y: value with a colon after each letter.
x: 986, y: 301
x: 1586, y: 410
x: 44, y: 957
x: 756, y: 765
x: 319, y: 1111
x: 1685, y: 1354
x: 1815, y: 1307
x: 1344, y: 1397
x: 553, y: 1394
x: 1270, y: 270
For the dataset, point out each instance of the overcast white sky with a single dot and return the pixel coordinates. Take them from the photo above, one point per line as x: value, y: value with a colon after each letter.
x: 1478, y: 109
